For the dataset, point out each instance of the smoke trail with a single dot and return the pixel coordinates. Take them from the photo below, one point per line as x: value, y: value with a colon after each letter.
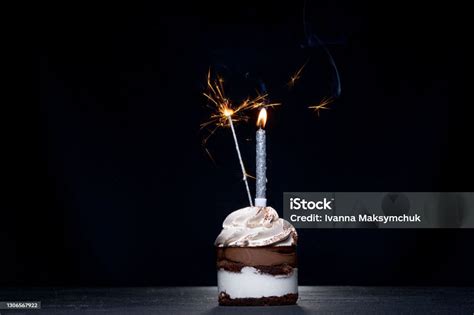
x: 312, y: 40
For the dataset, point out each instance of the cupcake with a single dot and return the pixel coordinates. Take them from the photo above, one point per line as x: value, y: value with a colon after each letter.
x: 256, y: 259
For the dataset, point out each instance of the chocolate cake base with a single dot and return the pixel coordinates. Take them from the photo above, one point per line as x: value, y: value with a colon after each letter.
x: 287, y: 299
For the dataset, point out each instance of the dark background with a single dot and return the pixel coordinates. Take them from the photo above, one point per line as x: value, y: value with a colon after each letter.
x: 107, y: 181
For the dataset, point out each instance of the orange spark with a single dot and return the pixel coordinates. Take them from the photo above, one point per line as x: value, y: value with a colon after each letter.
x: 296, y: 76
x: 223, y: 108
x: 324, y: 104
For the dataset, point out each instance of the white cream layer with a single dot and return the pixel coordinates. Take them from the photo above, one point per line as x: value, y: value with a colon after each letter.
x: 250, y: 283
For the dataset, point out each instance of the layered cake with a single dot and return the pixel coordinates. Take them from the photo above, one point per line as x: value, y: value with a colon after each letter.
x: 256, y: 259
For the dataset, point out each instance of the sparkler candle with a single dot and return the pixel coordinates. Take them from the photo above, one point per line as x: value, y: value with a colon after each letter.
x: 229, y: 115
x: 261, y: 165
x: 225, y: 114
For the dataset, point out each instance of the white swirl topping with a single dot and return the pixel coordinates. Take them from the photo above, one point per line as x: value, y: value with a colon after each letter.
x: 255, y: 227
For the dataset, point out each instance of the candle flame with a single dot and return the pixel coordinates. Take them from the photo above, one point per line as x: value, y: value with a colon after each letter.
x: 262, y: 118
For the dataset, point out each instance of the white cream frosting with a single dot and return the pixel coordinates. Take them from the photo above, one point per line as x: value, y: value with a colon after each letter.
x: 255, y: 227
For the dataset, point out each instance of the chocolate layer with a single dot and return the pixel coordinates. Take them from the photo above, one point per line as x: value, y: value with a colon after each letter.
x: 287, y: 299
x: 258, y: 256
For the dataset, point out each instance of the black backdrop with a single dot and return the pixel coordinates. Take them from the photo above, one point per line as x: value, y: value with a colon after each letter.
x: 107, y: 180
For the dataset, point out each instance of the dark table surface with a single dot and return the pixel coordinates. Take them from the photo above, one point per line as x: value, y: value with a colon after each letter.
x: 203, y: 300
